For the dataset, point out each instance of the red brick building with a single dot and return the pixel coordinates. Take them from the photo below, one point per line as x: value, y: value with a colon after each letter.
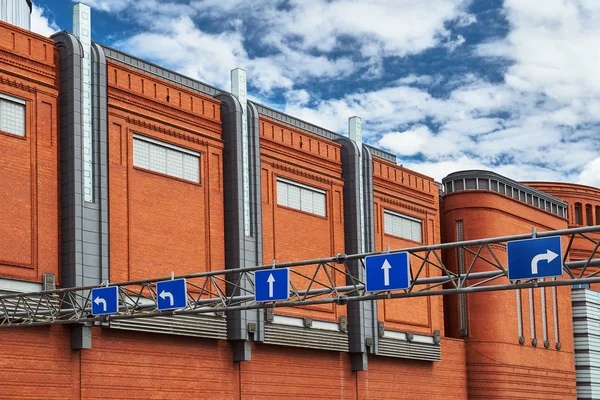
x: 115, y: 169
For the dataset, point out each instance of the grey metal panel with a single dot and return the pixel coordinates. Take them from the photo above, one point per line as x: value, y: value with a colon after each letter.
x: 241, y: 250
x: 586, y: 329
x: 98, y: 210
x: 405, y: 349
x: 369, y: 229
x: 83, y: 263
x: 71, y: 54
x: 285, y: 335
x: 362, y: 315
x: 381, y: 153
x: 184, y: 325
x: 16, y: 12
x: 160, y: 72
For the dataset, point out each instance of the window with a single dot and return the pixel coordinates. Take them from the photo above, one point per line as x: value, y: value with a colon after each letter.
x: 12, y: 115
x: 301, y: 197
x: 484, y: 184
x: 165, y: 158
x: 589, y: 217
x: 578, y: 214
x: 402, y: 226
x: 597, y: 215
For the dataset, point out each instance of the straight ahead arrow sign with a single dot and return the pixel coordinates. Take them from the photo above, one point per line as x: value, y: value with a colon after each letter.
x: 271, y: 280
x: 386, y: 273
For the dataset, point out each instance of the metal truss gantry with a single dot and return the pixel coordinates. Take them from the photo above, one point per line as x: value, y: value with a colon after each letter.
x: 318, y: 281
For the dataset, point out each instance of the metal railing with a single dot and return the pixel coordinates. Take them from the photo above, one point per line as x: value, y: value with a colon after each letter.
x: 318, y: 281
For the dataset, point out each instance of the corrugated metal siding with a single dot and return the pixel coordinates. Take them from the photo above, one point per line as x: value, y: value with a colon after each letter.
x: 586, y: 328
x: 286, y: 335
x: 405, y: 349
x: 184, y: 325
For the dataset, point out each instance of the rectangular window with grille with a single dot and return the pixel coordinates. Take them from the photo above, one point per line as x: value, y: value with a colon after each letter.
x: 12, y: 115
x: 402, y: 226
x: 166, y: 158
x: 301, y: 197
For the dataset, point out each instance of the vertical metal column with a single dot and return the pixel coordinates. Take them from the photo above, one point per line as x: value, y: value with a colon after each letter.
x: 544, y: 316
x: 82, y: 27
x: 239, y: 90
x: 462, y: 298
x: 555, y: 312
x: 362, y: 316
x: 84, y: 153
x: 243, y: 214
x: 532, y: 318
x: 520, y: 316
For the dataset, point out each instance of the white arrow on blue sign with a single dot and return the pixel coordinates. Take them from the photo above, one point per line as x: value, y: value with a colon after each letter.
x: 272, y: 285
x: 387, y: 272
x: 105, y: 300
x: 171, y: 294
x: 534, y: 258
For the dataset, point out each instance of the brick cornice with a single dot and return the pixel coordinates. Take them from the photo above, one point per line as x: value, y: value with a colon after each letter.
x: 402, y: 204
x: 121, y: 95
x: 28, y: 64
x: 166, y: 131
x: 18, y: 84
x: 299, y: 172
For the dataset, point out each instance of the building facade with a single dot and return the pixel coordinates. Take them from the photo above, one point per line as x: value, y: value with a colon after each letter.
x: 115, y: 169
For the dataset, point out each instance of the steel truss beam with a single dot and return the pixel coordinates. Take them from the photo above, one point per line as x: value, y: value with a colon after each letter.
x: 318, y: 281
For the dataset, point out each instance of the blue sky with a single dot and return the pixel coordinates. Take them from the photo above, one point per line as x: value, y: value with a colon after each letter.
x: 506, y: 85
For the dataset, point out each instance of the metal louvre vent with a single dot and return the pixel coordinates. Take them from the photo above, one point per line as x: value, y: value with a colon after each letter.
x: 405, y: 349
x: 586, y: 329
x: 185, y: 325
x: 286, y: 335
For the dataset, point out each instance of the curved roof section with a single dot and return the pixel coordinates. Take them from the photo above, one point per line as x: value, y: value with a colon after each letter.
x: 487, y: 180
x: 566, y: 185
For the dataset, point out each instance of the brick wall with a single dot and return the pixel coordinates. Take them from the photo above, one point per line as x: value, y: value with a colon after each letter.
x: 29, y: 165
x: 406, y: 192
x: 292, y: 235
x: 158, y: 223
x: 496, y: 363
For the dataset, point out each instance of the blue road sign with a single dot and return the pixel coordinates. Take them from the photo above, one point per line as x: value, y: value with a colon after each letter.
x: 272, y: 285
x: 534, y: 258
x: 171, y: 294
x: 105, y: 300
x: 387, y: 272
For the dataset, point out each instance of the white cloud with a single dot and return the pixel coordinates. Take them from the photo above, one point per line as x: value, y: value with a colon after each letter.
x: 408, y: 143
x: 182, y: 45
x: 107, y: 5
x: 298, y: 35
x: 382, y: 27
x: 41, y: 24
x: 590, y: 174
x: 539, y: 122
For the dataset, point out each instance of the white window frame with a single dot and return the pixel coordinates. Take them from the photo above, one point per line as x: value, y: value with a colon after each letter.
x: 168, y: 146
x: 406, y: 217
x: 16, y: 100
x: 305, y: 188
